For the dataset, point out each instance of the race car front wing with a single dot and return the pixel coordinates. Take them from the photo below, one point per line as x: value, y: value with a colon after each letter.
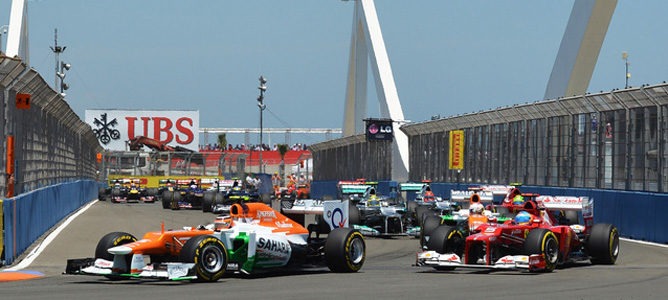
x: 102, y: 267
x: 532, y: 263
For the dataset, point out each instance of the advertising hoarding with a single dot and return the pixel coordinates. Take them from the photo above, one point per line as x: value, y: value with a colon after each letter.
x: 114, y: 128
x: 456, y: 149
x: 379, y: 129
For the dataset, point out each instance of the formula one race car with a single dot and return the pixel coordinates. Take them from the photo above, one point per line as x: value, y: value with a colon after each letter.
x: 187, y: 194
x: 232, y: 193
x: 466, y: 220
x: 130, y: 190
x: 534, y: 240
x: 255, y: 238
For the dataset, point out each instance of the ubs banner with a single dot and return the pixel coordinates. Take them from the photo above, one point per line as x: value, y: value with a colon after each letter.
x: 114, y: 128
x: 456, y: 149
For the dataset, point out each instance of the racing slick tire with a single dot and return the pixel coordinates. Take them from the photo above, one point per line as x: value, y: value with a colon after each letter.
x: 429, y: 224
x: 176, y: 197
x: 420, y: 213
x: 411, y: 206
x: 354, y: 215
x: 345, y: 250
x: 152, y: 191
x: 101, y: 194
x: 218, y: 199
x: 603, y: 244
x: 446, y: 239
x: 543, y: 241
x: 166, y: 199
x: 207, y: 201
x: 111, y: 240
x: 209, y: 256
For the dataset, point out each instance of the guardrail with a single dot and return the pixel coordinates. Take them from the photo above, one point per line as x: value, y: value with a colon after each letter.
x: 637, y: 215
x: 29, y: 215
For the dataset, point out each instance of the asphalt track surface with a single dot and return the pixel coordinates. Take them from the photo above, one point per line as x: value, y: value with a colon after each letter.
x: 641, y: 271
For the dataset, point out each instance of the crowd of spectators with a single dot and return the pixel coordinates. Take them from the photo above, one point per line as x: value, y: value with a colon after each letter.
x: 243, y: 147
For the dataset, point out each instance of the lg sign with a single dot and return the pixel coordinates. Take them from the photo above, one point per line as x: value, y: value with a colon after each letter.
x: 115, y: 127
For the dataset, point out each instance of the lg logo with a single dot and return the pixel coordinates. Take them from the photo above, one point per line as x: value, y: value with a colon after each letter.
x: 386, y: 129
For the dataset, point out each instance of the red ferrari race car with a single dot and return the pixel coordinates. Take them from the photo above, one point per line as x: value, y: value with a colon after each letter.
x: 534, y: 240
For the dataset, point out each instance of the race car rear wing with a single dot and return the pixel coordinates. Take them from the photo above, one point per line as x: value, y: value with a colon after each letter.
x: 411, y: 186
x: 497, y: 189
x: 485, y: 196
x: 353, y: 189
x: 564, y: 203
x: 335, y: 212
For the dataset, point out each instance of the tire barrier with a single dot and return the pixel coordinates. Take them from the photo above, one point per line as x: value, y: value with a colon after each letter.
x: 28, y: 216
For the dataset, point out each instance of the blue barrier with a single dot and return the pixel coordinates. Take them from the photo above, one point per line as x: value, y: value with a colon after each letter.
x: 327, y: 188
x: 28, y: 216
x: 637, y: 215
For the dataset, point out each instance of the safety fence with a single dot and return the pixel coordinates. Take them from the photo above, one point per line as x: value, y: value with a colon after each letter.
x: 51, y: 144
x: 352, y: 157
x: 206, y: 163
x: 614, y: 140
x: 28, y: 216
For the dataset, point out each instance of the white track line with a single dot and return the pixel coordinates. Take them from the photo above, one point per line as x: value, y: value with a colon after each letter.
x: 644, y: 243
x: 38, y: 250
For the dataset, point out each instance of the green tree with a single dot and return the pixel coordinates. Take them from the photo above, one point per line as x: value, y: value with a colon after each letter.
x: 282, y: 149
x: 222, y: 141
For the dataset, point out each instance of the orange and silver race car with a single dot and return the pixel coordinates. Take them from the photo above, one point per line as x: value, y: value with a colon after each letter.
x: 253, y: 238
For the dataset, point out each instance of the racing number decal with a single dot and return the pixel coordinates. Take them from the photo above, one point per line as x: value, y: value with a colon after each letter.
x: 348, y: 243
x: 341, y: 221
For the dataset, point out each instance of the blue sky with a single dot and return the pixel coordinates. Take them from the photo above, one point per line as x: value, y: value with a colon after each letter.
x: 448, y: 57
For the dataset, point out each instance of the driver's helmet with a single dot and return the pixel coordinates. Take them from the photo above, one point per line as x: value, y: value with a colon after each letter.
x: 193, y: 186
x: 523, y: 218
x: 476, y: 208
x: 236, y: 188
x: 373, y: 201
x: 429, y: 196
x: 518, y: 200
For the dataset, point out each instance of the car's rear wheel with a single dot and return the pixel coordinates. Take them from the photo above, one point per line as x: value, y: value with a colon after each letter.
x: 176, y: 197
x: 354, y: 215
x: 209, y: 256
x: 166, y: 199
x: 111, y: 240
x: 603, y: 244
x: 543, y: 241
x: 207, y: 201
x: 345, y: 250
x: 429, y: 224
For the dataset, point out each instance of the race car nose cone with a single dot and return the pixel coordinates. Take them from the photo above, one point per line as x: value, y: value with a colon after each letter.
x: 120, y: 250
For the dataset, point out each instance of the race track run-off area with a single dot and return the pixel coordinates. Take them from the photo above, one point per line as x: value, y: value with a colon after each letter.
x: 641, y: 270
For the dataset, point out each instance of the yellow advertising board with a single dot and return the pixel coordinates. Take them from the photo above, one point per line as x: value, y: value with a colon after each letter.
x: 152, y: 181
x: 456, y: 159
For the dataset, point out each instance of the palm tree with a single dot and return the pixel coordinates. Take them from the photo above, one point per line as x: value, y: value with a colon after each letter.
x: 282, y: 149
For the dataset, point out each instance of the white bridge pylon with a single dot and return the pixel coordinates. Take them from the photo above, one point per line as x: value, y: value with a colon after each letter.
x: 367, y: 47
